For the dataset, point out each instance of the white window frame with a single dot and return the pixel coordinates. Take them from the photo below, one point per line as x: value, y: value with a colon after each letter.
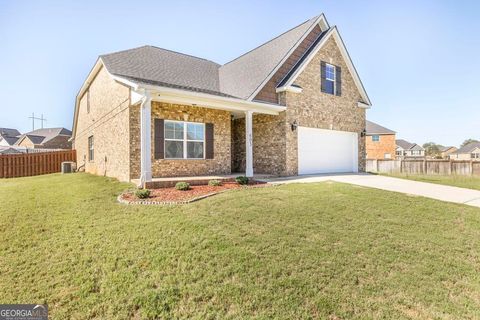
x: 475, y: 155
x: 376, y: 135
x: 91, y: 149
x: 334, y: 80
x: 185, y: 140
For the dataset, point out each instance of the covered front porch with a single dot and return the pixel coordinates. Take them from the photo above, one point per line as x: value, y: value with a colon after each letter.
x: 157, y: 166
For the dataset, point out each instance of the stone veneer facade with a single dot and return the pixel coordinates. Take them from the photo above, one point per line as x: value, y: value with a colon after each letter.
x: 115, y: 125
x: 275, y: 144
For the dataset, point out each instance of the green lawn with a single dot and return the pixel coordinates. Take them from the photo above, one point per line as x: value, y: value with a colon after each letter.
x: 306, y: 251
x: 470, y: 182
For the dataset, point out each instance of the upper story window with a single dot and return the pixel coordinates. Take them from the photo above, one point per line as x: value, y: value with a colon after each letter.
x: 90, y: 149
x: 375, y: 138
x: 475, y: 155
x: 88, y: 101
x: 416, y: 152
x: 399, y: 153
x: 184, y: 140
x: 330, y: 76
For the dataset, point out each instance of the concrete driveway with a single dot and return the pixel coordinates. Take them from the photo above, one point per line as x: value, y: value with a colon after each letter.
x: 430, y: 190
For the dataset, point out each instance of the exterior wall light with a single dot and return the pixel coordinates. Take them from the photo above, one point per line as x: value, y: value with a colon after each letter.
x: 294, y: 125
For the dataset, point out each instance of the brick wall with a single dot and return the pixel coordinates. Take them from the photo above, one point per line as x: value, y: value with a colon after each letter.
x: 221, y: 164
x: 108, y: 122
x: 378, y: 149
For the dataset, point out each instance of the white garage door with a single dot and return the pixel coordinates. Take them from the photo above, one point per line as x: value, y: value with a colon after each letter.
x: 326, y: 151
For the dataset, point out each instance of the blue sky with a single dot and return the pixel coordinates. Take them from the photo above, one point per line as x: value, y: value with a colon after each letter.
x: 419, y: 60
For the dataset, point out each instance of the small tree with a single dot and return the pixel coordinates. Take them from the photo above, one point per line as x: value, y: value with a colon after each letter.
x: 432, y: 149
x: 467, y: 142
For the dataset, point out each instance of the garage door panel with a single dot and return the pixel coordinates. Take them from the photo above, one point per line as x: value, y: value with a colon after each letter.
x: 326, y: 151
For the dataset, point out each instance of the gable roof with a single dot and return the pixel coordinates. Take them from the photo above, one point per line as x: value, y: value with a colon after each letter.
x: 41, y: 136
x: 157, y: 66
x: 9, y: 132
x: 374, y: 128
x: 444, y: 149
x: 408, y: 145
x: 10, y: 140
x: 243, y: 76
x: 469, y: 147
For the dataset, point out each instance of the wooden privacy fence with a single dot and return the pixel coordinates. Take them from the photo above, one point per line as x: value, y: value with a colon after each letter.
x: 32, y: 164
x: 430, y: 166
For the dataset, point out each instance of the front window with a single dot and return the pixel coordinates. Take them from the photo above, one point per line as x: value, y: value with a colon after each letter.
x: 330, y: 79
x: 416, y: 153
x: 90, y: 149
x: 375, y: 138
x: 184, y: 140
x: 387, y: 156
x: 475, y: 155
x: 399, y: 153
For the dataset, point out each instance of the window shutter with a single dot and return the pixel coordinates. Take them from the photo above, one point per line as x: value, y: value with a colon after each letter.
x: 323, y: 75
x: 209, y: 141
x: 338, y: 78
x: 159, y: 139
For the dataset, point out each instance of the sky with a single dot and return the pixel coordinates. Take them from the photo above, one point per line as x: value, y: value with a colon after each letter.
x: 418, y: 60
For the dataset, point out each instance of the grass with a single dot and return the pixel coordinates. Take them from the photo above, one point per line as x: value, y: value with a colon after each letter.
x: 469, y: 182
x: 306, y: 251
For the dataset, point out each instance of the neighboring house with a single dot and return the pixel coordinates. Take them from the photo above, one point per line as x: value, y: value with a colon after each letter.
x: 470, y: 151
x: 9, y: 150
x: 8, y: 137
x: 278, y: 109
x: 379, y: 141
x: 406, y: 149
x: 445, y: 152
x: 48, y: 138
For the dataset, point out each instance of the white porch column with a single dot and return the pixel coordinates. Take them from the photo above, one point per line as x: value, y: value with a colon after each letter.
x: 248, y: 144
x: 145, y: 139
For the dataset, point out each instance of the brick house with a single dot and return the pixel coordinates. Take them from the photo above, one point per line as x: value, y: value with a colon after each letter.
x: 46, y: 138
x: 293, y: 105
x: 379, y: 142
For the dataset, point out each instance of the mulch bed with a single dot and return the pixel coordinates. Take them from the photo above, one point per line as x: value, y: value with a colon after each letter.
x: 174, y: 196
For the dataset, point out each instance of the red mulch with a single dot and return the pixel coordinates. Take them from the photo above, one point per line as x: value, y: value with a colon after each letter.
x: 174, y: 195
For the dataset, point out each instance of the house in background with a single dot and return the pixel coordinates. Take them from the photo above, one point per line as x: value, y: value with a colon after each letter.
x: 379, y: 141
x: 8, y: 137
x: 48, y: 138
x: 445, y: 152
x: 470, y: 151
x: 277, y: 109
x: 408, y: 150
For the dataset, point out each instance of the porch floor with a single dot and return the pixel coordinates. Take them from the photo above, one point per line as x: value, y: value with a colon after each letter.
x: 167, y: 182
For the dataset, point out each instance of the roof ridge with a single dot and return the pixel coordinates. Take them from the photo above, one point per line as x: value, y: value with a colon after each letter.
x: 158, y: 48
x: 259, y: 46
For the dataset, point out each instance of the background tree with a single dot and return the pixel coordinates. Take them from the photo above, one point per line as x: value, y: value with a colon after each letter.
x: 467, y: 142
x: 432, y: 149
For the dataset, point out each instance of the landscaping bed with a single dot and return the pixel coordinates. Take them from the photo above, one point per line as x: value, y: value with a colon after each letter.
x: 194, y: 193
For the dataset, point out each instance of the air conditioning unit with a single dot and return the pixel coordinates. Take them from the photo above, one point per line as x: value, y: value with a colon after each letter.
x: 68, y: 166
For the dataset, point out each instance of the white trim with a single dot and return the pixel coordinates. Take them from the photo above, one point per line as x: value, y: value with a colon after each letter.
x: 249, y: 144
x: 363, y: 105
x: 145, y: 140
x: 322, y: 23
x: 346, y: 57
x: 293, y: 89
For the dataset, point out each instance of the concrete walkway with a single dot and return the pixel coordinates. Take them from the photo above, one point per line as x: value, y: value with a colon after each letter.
x: 430, y: 190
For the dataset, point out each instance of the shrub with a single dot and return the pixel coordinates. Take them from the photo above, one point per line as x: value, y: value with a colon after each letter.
x: 242, y: 180
x: 142, y: 193
x: 214, y: 183
x: 183, y: 186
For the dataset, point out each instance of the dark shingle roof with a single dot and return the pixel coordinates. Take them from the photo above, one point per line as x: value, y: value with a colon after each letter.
x: 41, y: 136
x: 469, y: 147
x: 9, y: 132
x: 404, y: 144
x: 242, y: 76
x: 373, y: 128
x: 10, y: 140
x: 152, y: 65
x: 238, y: 78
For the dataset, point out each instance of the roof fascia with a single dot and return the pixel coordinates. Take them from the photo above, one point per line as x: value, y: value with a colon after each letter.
x: 322, y: 22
